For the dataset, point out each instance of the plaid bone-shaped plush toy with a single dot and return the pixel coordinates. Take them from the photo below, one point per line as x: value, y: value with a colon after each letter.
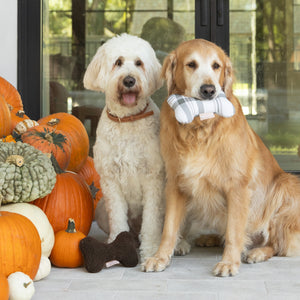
x: 186, y: 108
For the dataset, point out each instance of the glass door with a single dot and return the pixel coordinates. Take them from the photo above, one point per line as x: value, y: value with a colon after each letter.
x: 265, y: 50
x: 74, y: 29
x: 264, y: 47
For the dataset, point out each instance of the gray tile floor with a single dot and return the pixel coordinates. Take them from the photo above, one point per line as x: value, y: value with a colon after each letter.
x: 188, y: 277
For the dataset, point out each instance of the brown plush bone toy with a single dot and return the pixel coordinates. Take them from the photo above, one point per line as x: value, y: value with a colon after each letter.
x: 97, y: 254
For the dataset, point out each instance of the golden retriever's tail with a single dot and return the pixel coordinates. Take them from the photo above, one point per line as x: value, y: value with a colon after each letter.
x: 285, y: 219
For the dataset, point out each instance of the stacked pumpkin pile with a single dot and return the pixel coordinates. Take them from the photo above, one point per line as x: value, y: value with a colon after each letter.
x: 48, y: 184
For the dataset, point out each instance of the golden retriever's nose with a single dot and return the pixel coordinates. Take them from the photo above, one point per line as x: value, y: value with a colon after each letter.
x: 207, y: 91
x: 129, y: 81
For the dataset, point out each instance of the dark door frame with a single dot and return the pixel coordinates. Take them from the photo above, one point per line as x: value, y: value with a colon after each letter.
x: 29, y: 56
x: 212, y: 21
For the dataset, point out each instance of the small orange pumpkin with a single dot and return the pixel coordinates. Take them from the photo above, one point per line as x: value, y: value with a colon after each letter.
x: 49, y: 140
x: 8, y: 139
x: 92, y: 178
x: 4, y: 287
x: 77, y: 134
x: 70, y: 198
x: 10, y: 94
x: 20, y: 245
x: 5, y: 118
x: 66, y: 252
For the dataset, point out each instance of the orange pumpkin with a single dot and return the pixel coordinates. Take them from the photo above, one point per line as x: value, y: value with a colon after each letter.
x: 5, y: 118
x: 10, y: 94
x: 8, y: 139
x: 49, y: 140
x: 92, y: 178
x: 20, y: 245
x: 4, y: 288
x: 17, y: 115
x: 66, y: 252
x: 76, y: 132
x: 70, y: 198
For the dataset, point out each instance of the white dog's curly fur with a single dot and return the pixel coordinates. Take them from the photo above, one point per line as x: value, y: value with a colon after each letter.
x: 127, y: 155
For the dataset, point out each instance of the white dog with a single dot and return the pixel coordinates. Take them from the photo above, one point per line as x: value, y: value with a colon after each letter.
x: 127, y: 152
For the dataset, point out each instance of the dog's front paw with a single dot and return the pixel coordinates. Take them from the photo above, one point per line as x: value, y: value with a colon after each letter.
x: 257, y: 255
x: 146, y: 253
x: 155, y: 264
x: 182, y: 248
x: 225, y: 269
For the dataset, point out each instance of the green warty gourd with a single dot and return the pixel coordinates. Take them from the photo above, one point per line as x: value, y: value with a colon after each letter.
x: 25, y: 173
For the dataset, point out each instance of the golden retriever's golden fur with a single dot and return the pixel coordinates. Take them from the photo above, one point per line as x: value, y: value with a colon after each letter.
x: 220, y: 175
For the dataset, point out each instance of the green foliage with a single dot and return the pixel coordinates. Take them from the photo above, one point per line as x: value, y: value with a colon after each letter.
x: 283, y: 137
x: 271, y: 30
x: 117, y: 17
x: 95, y: 17
x: 60, y: 22
x: 120, y: 17
x: 285, y: 140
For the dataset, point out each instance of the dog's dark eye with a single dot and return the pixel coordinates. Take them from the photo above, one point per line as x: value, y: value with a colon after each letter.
x: 216, y: 66
x: 138, y: 63
x: 191, y: 65
x: 118, y: 62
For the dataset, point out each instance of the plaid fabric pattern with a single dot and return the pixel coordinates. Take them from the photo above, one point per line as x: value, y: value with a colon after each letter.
x: 187, y: 108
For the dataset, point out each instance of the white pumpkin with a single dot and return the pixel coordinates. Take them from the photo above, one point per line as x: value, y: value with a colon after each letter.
x: 20, y: 286
x: 44, y: 268
x: 40, y: 221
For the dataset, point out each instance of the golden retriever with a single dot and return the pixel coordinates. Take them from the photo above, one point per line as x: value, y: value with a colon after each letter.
x: 221, y: 178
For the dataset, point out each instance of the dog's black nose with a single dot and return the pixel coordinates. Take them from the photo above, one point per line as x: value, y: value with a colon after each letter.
x: 207, y: 91
x: 129, y: 81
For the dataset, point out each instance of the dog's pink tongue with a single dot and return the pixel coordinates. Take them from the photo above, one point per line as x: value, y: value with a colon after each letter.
x: 129, y: 98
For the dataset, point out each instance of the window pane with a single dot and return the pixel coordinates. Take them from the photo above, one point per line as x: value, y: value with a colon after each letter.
x: 264, y: 47
x: 74, y: 29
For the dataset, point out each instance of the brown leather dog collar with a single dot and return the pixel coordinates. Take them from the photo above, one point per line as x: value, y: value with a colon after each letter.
x: 140, y: 115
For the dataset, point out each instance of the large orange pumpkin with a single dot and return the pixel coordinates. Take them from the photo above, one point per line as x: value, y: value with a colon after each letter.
x: 4, y: 288
x: 70, y: 198
x: 20, y: 245
x: 10, y: 94
x: 49, y: 140
x: 17, y: 116
x: 92, y: 178
x: 5, y: 118
x: 76, y: 132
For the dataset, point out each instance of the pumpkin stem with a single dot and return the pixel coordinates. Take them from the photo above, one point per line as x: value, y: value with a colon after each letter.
x: 71, y: 226
x: 49, y: 137
x: 20, y: 113
x: 53, y: 122
x: 56, y: 166
x: 26, y: 284
x: 17, y: 160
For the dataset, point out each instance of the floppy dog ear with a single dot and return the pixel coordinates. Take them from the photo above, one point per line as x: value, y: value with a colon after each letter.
x: 168, y: 70
x: 157, y: 71
x: 95, y: 76
x: 153, y: 74
x: 228, y: 77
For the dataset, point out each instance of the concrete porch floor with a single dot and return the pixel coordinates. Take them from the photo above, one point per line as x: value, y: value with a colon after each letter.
x: 188, y: 277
